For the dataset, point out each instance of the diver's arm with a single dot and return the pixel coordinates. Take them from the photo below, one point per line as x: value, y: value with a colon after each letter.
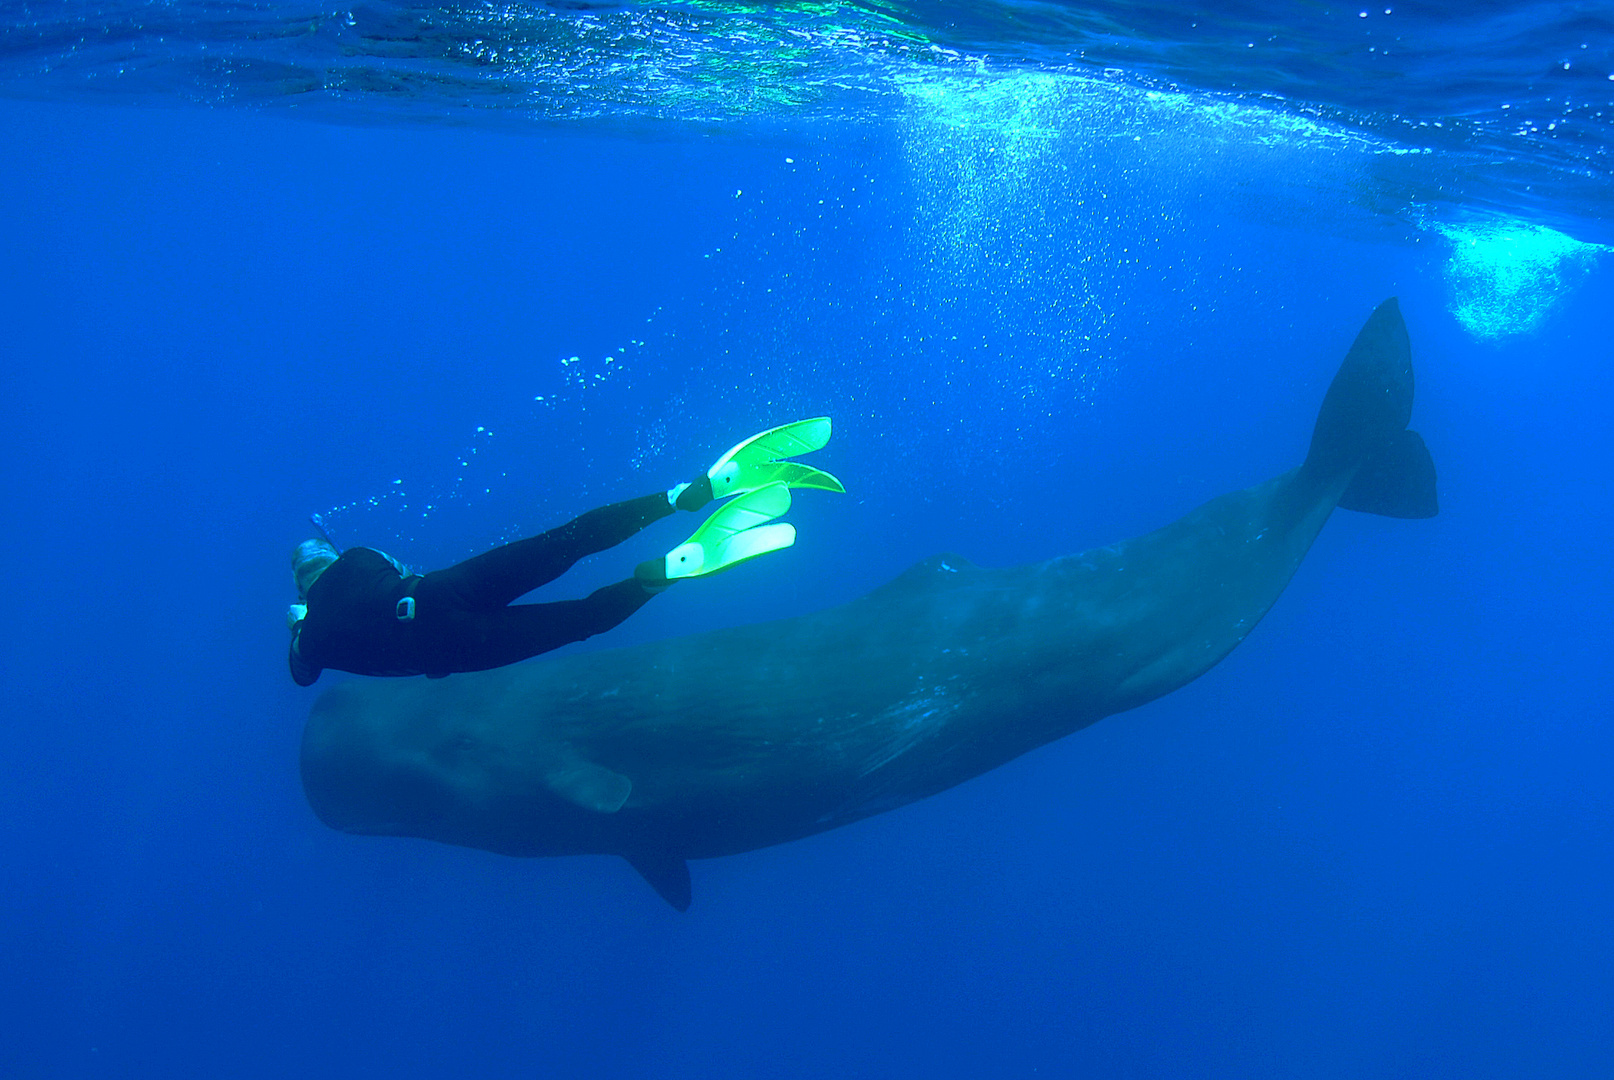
x: 302, y: 672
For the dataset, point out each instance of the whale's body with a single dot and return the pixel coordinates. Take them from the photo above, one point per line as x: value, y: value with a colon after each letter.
x: 724, y: 742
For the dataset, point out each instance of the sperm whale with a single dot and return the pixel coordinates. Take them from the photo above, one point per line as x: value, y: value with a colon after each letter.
x: 724, y: 742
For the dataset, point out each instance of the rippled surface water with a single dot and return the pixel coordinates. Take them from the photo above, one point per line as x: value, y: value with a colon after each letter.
x: 1454, y: 110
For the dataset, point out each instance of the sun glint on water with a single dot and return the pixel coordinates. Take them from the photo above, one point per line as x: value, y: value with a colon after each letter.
x: 1507, y: 276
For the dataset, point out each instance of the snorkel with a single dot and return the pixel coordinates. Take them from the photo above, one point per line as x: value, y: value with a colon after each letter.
x: 318, y: 521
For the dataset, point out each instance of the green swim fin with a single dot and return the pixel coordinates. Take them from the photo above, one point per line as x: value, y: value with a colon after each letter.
x: 755, y: 462
x: 734, y: 533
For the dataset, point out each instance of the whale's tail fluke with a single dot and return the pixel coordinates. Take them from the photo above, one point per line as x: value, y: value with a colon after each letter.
x: 1362, y: 426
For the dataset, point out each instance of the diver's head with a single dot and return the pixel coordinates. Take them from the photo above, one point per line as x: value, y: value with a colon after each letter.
x: 309, y: 560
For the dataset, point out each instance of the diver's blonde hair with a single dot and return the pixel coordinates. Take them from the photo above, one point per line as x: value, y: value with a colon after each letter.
x: 309, y: 560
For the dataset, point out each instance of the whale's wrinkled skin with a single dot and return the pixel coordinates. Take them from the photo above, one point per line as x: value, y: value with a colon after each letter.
x: 727, y: 741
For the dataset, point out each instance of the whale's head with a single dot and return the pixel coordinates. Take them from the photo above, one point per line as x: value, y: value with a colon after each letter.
x: 375, y: 768
x: 430, y: 759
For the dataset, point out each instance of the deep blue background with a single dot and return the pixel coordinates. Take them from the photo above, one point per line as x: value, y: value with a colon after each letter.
x: 1374, y: 842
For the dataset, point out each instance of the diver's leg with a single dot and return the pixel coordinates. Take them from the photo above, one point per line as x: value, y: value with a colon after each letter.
x: 514, y: 633
x: 494, y: 578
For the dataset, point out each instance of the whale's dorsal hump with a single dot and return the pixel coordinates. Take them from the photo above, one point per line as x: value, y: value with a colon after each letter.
x: 922, y: 576
x: 593, y: 787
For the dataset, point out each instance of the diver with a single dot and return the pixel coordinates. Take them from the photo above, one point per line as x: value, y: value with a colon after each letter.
x: 362, y: 611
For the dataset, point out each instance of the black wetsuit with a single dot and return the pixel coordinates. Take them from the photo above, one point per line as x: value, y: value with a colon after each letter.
x: 360, y: 618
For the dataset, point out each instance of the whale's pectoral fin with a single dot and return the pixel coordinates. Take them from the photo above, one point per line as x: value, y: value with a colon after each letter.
x: 593, y: 787
x: 1397, y: 481
x: 667, y: 874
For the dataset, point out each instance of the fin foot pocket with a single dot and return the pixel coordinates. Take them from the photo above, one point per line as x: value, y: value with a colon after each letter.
x: 734, y: 533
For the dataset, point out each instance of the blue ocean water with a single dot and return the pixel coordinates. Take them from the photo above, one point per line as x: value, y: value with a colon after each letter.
x: 450, y: 275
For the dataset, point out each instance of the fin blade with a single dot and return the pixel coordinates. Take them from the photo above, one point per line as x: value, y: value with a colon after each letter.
x: 792, y: 474
x: 667, y: 874
x: 733, y: 533
x: 786, y: 440
x: 746, y: 512
x: 700, y: 560
x: 1398, y: 481
x: 746, y: 466
x: 802, y: 436
x: 753, y: 542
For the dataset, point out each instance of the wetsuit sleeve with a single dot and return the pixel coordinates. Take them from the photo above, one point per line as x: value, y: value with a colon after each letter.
x: 302, y: 672
x: 495, y: 578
